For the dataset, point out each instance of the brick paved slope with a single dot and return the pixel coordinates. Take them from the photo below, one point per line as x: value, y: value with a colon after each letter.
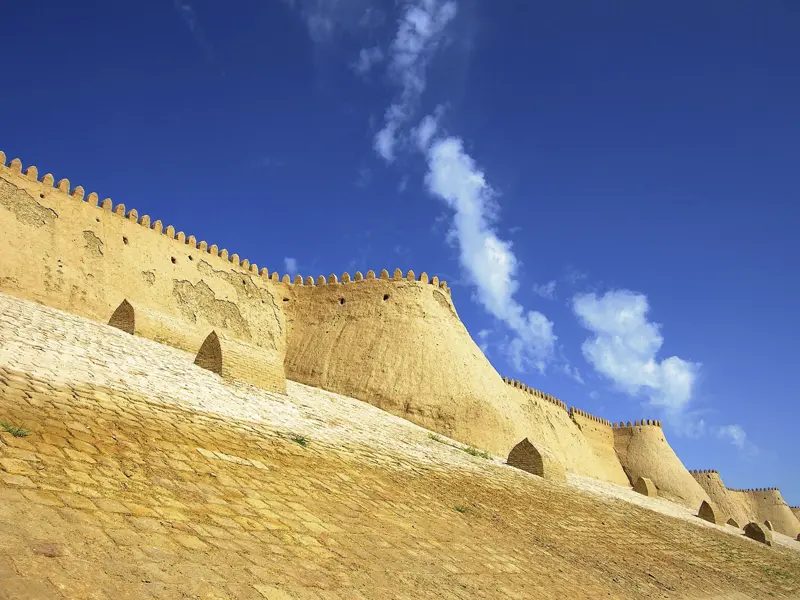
x: 144, y: 476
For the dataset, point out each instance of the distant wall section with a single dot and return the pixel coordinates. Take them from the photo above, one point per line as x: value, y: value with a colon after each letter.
x: 65, y: 251
x: 549, y: 425
x: 733, y: 506
x: 600, y: 435
x: 643, y: 451
x: 767, y: 504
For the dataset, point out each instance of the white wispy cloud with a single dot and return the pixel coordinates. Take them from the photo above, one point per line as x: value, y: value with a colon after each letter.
x: 189, y: 16
x: 573, y: 276
x: 419, y: 33
x: 735, y: 434
x: 545, y: 290
x: 488, y: 261
x: 572, y: 372
x: 453, y: 176
x: 624, y: 347
x: 291, y: 265
x: 363, y: 177
x: 324, y: 19
x: 367, y: 58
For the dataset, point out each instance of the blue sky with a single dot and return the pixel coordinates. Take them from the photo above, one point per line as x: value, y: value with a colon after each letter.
x: 611, y: 189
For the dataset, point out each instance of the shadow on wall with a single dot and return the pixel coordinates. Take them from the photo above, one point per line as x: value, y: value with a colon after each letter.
x: 123, y: 318
x: 210, y: 354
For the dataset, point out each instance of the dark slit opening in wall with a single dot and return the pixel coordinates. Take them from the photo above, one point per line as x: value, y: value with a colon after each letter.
x: 124, y: 318
x: 210, y: 354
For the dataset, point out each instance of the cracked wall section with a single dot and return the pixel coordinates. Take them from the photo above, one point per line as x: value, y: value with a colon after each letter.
x: 71, y: 255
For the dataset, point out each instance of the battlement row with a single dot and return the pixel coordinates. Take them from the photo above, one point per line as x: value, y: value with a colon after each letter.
x: 702, y: 471
x: 577, y: 411
x: 642, y: 423
x: 332, y: 279
x: 754, y: 490
x: 78, y: 193
x: 534, y: 392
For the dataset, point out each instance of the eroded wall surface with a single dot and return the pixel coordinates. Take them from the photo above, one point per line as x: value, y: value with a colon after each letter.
x: 643, y: 451
x: 63, y: 250
x: 398, y: 343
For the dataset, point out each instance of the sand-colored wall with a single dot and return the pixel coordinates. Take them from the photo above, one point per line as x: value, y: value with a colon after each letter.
x: 63, y: 250
x: 397, y: 342
x: 759, y: 505
x: 600, y: 435
x: 767, y: 504
x: 643, y: 451
x: 549, y: 424
x: 796, y: 511
x: 735, y: 506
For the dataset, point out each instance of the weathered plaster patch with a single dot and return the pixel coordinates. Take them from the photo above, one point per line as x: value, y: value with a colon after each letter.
x: 92, y: 242
x: 199, y: 300
x: 24, y: 207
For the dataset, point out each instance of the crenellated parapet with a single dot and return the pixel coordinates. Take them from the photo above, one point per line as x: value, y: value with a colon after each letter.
x: 582, y: 413
x: 537, y: 393
x: 78, y: 194
x: 345, y: 278
x: 754, y: 490
x: 69, y: 250
x: 640, y: 423
x: 703, y: 471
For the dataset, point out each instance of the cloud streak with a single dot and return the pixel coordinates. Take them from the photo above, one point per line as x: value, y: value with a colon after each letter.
x: 324, y: 19
x: 545, y: 290
x: 419, y: 34
x: 189, y: 16
x: 488, y: 261
x: 367, y: 59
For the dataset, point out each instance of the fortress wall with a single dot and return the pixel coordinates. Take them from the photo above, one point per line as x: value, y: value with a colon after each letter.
x: 548, y: 424
x: 767, y: 504
x: 397, y: 342
x: 600, y: 435
x: 796, y: 511
x: 735, y: 506
x: 643, y: 451
x: 63, y: 250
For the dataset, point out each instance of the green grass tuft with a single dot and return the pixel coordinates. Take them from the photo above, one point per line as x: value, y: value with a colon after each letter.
x: 16, y: 431
x: 460, y: 509
x: 468, y: 449
x: 300, y: 439
x: 475, y: 452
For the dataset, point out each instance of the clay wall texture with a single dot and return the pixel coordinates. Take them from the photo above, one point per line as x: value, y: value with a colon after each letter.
x: 600, y: 436
x: 397, y: 342
x: 549, y: 426
x: 644, y: 452
x: 63, y: 250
